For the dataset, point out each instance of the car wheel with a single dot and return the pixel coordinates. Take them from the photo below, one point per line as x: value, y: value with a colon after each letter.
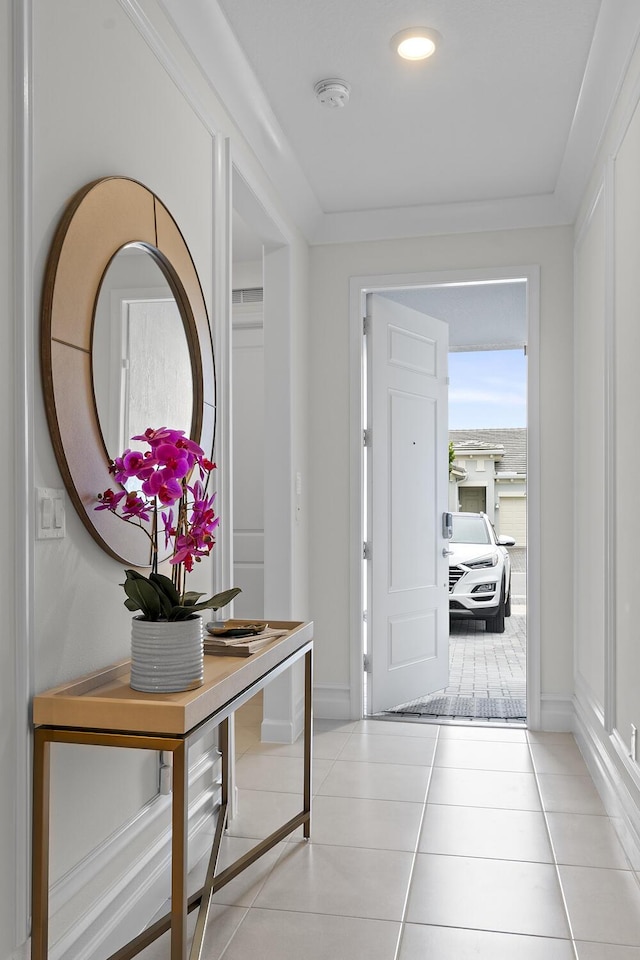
x: 496, y: 624
x: 507, y: 605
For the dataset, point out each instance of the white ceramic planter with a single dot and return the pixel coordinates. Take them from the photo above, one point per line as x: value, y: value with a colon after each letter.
x: 166, y: 657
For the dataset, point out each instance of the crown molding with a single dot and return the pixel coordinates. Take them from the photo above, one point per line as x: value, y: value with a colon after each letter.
x: 434, y: 219
x: 207, y: 35
x: 614, y: 41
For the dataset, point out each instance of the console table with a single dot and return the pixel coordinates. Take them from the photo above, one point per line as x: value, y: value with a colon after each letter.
x: 103, y: 710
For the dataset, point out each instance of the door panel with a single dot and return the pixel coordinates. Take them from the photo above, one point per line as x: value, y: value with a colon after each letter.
x: 408, y: 610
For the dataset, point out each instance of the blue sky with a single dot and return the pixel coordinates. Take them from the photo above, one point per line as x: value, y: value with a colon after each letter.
x: 487, y: 388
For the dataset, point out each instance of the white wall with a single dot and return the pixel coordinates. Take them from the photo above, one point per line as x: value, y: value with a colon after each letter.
x: 607, y: 578
x: 104, y: 102
x: 331, y: 268
x: 87, y: 124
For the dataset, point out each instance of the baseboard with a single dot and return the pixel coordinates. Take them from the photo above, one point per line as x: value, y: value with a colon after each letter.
x: 274, y: 729
x: 332, y: 701
x: 278, y: 731
x: 556, y: 713
x: 615, y: 777
x: 114, y: 892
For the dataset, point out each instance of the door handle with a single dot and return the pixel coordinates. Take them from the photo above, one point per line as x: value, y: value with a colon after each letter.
x: 446, y: 552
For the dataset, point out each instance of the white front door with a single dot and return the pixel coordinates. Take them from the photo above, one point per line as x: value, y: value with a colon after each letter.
x: 408, y: 605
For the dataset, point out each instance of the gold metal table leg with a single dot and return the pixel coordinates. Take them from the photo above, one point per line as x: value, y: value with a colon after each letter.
x: 179, y: 815
x: 40, y: 842
x: 308, y: 739
x: 208, y: 888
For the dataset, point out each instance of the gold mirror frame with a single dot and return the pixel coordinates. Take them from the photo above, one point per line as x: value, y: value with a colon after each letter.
x: 101, y: 219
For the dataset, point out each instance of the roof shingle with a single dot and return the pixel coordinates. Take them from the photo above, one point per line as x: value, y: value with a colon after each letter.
x: 513, y: 439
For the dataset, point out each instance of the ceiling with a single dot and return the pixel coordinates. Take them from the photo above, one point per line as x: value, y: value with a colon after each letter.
x: 499, y: 128
x: 487, y: 116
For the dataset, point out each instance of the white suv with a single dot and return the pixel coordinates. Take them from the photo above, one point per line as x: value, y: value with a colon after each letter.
x: 479, y: 571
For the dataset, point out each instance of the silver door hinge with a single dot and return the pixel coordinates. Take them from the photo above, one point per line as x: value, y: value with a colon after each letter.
x: 366, y: 663
x: 366, y: 550
x: 366, y: 438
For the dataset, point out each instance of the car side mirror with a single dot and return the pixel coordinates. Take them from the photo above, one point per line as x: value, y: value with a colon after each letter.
x: 506, y: 541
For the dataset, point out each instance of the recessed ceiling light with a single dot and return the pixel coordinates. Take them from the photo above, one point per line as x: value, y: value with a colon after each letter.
x: 416, y: 43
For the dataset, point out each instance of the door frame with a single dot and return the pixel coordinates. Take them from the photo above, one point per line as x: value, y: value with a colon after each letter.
x: 359, y: 287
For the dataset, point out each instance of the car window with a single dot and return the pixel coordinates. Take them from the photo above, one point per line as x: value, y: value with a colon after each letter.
x: 469, y: 530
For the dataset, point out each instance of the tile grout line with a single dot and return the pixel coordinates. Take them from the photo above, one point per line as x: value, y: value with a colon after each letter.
x: 553, y: 852
x: 415, y: 852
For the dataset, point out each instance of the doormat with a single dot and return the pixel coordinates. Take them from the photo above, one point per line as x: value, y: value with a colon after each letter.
x: 486, y: 708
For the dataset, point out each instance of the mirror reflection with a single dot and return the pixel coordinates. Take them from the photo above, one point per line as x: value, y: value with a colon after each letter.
x: 140, y: 355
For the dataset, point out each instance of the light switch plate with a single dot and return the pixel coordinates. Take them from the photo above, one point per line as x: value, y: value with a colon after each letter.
x: 50, y: 514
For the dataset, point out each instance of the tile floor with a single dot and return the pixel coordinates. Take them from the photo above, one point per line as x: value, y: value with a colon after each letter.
x: 445, y: 842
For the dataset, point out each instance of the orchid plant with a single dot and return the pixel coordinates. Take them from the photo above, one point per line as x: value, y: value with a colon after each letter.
x: 164, y: 474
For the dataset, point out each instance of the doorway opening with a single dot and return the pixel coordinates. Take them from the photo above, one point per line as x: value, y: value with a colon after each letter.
x: 490, y: 475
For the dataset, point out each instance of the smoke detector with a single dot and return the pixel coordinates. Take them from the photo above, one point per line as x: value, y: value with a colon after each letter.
x: 332, y: 93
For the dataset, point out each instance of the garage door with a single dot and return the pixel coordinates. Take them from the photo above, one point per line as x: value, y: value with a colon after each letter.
x: 512, y: 519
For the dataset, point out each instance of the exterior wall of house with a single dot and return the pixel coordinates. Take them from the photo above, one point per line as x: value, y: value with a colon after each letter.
x: 495, y: 491
x: 607, y: 460
x: 481, y: 472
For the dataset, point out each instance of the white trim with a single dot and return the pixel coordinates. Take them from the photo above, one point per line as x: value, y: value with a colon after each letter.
x: 437, y: 219
x: 359, y: 287
x: 534, y: 506
x: 332, y: 701
x: 604, y: 192
x: 222, y: 347
x: 610, y: 475
x: 626, y: 117
x: 357, y: 313
x: 278, y: 406
x: 211, y: 41
x: 169, y: 63
x: 275, y: 730
x: 584, y: 696
x: 614, y: 40
x: 556, y: 714
x: 629, y: 766
x: 24, y: 432
x: 606, y: 760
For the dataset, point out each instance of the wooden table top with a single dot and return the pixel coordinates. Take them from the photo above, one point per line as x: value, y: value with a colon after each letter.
x: 104, y: 700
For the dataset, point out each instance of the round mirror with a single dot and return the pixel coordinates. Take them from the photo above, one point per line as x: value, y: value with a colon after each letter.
x: 125, y: 344
x: 140, y: 359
